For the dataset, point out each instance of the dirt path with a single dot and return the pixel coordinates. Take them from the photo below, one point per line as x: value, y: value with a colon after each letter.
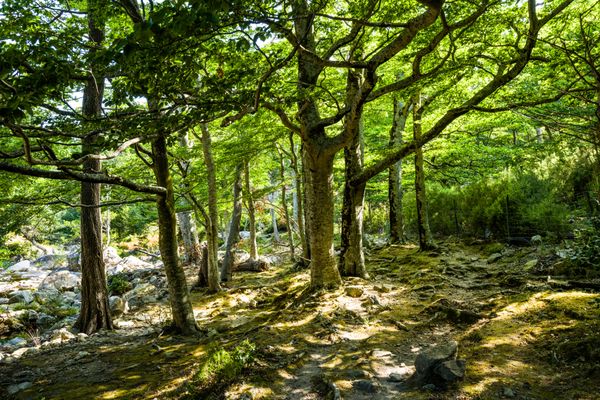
x: 520, y: 337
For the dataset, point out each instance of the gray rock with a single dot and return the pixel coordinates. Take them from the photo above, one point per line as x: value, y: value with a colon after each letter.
x: 111, y: 256
x: 21, y: 266
x: 494, y: 257
x: 365, y: 386
x: 136, y: 296
x: 3, y: 300
x: 395, y: 377
x: 536, y: 240
x: 61, y: 280
x: 427, y: 360
x: 20, y: 296
x: 452, y: 370
x: 18, y: 353
x: 49, y: 261
x: 430, y: 387
x: 354, y: 291
x: 62, y: 335
x: 45, y: 321
x: 118, y: 306
x: 508, y: 392
x: 16, y: 342
x: 14, y: 389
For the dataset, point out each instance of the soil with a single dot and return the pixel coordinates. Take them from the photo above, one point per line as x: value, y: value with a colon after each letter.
x: 523, y: 336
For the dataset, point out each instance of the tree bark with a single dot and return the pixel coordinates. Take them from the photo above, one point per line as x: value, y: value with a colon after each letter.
x: 395, y: 190
x: 425, y: 238
x: 187, y: 224
x: 251, y: 215
x: 319, y: 198
x: 95, y: 311
x: 181, y: 306
x: 299, y: 196
x: 284, y: 204
x: 273, y: 198
x: 234, y: 226
x: 212, y: 227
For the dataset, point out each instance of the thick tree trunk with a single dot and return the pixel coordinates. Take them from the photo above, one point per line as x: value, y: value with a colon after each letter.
x: 212, y: 227
x: 425, y: 238
x: 95, y: 311
x: 181, y: 306
x: 395, y: 190
x: 234, y: 226
x: 251, y: 215
x: 319, y: 199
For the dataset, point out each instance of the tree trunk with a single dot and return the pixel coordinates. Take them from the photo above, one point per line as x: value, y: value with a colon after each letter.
x: 299, y: 198
x: 273, y: 199
x: 286, y: 212
x: 251, y: 216
x: 181, y: 307
x: 95, y: 311
x: 395, y: 190
x: 212, y: 227
x: 234, y: 226
x: 425, y: 238
x: 319, y: 206
x: 189, y: 235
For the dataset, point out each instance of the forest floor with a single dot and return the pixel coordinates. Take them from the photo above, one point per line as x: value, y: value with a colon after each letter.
x: 523, y: 335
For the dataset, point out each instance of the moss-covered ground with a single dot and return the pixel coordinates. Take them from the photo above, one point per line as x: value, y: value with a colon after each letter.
x: 521, y: 336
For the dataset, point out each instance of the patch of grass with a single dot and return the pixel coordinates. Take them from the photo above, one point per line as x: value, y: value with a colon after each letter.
x: 225, y: 366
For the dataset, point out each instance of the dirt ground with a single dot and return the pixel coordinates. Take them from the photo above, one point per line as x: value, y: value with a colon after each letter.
x: 523, y: 331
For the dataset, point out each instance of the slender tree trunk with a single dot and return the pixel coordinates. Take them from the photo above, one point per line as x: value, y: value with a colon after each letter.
x: 425, y: 237
x: 251, y: 215
x: 273, y: 198
x: 95, y: 311
x: 286, y: 212
x: 181, y: 306
x: 395, y: 190
x: 212, y: 223
x: 299, y: 196
x: 234, y: 226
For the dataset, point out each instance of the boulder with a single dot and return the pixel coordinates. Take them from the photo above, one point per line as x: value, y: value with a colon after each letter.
x: 354, y: 291
x: 62, y: 335
x: 61, y: 280
x: 452, y: 370
x: 16, y: 342
x: 118, y: 306
x: 21, y: 266
x: 20, y: 296
x: 49, y: 261
x: 536, y: 240
x: 14, y: 389
x: 139, y: 294
x: 494, y: 257
x: 111, y: 256
x: 428, y: 360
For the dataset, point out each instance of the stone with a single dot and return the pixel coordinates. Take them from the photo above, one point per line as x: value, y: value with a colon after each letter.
x: 45, y: 321
x: 494, y: 257
x: 428, y: 360
x: 135, y: 297
x: 14, y: 389
x: 18, y: 353
x: 4, y: 300
x: 61, y: 280
x: 531, y: 264
x: 82, y: 337
x: 354, y: 291
x: 16, y: 342
x: 452, y: 370
x: 21, y: 266
x: 62, y: 335
x: 508, y: 392
x: 118, y: 306
x: 365, y: 386
x: 395, y: 377
x: 430, y: 387
x: 536, y: 240
x: 111, y: 256
x: 49, y: 261
x: 20, y: 296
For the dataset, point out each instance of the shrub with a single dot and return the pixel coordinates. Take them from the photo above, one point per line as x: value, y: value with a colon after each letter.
x: 118, y: 284
x: 224, y: 366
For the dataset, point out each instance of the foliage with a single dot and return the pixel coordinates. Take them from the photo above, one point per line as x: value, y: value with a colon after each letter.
x: 584, y: 252
x: 118, y: 284
x: 224, y: 366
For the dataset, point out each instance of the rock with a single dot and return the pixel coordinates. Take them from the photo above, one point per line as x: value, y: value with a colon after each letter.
x: 61, y: 280
x: 74, y: 260
x: 62, y: 335
x: 21, y: 266
x: 111, y: 256
x: 49, y: 261
x: 118, y: 306
x: 395, y: 377
x: 536, y: 240
x: 244, y: 235
x: 531, y: 264
x: 139, y: 294
x: 18, y: 353
x: 354, y: 291
x: 45, y: 321
x: 494, y: 257
x: 429, y: 359
x: 82, y: 337
x: 452, y: 370
x: 20, y: 296
x: 14, y: 389
x: 430, y: 387
x: 82, y: 354
x: 16, y: 342
x: 365, y: 386
x: 508, y: 392
x: 4, y: 300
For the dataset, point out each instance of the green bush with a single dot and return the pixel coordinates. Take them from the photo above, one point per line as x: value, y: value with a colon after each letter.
x: 224, y: 366
x: 584, y: 252
x: 118, y: 284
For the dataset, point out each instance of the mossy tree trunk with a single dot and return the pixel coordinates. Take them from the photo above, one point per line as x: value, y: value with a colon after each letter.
x: 212, y: 224
x: 234, y: 225
x: 187, y: 224
x: 251, y: 211
x: 425, y: 237
x: 181, y: 306
x: 395, y: 190
x: 95, y: 312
